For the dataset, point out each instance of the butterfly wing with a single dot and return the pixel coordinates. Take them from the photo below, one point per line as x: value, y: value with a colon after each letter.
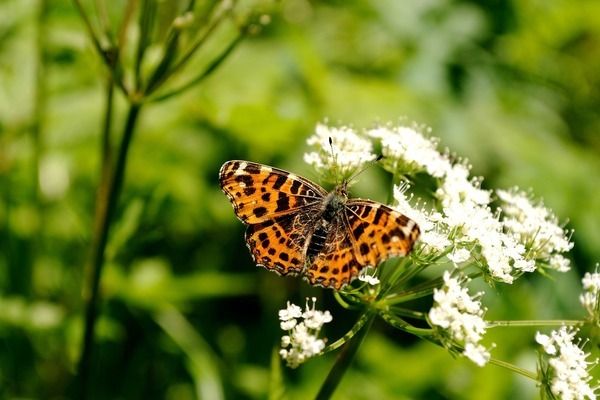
x: 336, y: 265
x: 279, y: 244
x: 378, y: 232
x: 260, y: 193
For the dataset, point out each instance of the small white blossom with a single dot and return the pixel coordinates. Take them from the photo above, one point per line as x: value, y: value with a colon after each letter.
x: 534, y: 226
x: 459, y: 255
x: 349, y: 153
x: 589, y: 298
x: 404, y: 146
x: 460, y: 316
x: 433, y: 239
x: 288, y: 316
x: 302, y: 341
x: 313, y: 318
x: 567, y: 367
x: 477, y: 353
x: 368, y: 275
x: 458, y: 188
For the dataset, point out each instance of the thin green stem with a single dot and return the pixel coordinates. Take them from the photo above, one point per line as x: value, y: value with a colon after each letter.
x: 409, y: 313
x: 514, y: 368
x: 401, y: 324
x: 215, y: 21
x: 344, y: 359
x: 546, y: 322
x: 109, y: 195
x: 145, y: 25
x: 418, y: 291
x: 39, y: 109
x: 108, y: 53
x: 350, y: 334
x: 163, y: 70
x: 90, y: 29
x: 209, y: 69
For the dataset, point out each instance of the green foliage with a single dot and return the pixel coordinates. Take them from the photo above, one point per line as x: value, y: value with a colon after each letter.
x: 184, y: 313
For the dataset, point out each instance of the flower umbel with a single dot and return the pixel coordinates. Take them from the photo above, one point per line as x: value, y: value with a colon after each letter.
x: 302, y: 342
x: 590, y: 298
x: 349, y: 153
x: 536, y: 228
x: 565, y: 374
x: 459, y: 318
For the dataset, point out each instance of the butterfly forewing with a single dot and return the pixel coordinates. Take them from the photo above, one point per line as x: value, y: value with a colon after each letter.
x: 378, y: 231
x: 260, y: 193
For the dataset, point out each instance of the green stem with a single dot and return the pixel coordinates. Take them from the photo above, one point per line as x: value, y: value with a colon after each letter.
x: 204, y: 74
x: 109, y: 195
x: 39, y: 111
x: 514, y: 368
x: 547, y: 322
x: 350, y: 334
x: 396, y: 322
x: 344, y: 360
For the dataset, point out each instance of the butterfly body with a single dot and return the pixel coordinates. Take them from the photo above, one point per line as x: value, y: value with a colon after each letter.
x: 296, y: 227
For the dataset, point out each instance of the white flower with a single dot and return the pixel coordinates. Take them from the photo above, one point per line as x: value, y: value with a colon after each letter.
x: 457, y: 187
x: 467, y: 215
x: 302, y: 342
x: 368, y: 275
x: 589, y: 298
x: 460, y: 316
x: 567, y: 367
x: 459, y: 255
x: 288, y: 316
x: 433, y: 238
x: 534, y: 226
x: 313, y: 318
x: 407, y: 147
x: 349, y: 152
x: 477, y: 353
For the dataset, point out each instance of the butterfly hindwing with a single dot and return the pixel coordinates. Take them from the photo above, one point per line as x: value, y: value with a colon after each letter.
x: 278, y: 245
x: 336, y: 265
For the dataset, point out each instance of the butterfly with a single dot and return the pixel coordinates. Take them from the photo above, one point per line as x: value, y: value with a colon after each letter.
x: 295, y: 227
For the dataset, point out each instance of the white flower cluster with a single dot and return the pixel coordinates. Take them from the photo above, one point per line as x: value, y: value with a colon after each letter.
x: 505, y: 247
x: 567, y: 366
x: 591, y: 289
x: 405, y: 146
x: 302, y: 342
x: 461, y: 317
x: 536, y: 227
x: 349, y: 153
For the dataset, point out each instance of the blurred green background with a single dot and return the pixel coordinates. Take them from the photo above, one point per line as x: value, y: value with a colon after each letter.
x: 511, y: 85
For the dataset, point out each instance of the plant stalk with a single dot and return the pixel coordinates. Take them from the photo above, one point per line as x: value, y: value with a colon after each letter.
x: 342, y: 363
x: 109, y: 195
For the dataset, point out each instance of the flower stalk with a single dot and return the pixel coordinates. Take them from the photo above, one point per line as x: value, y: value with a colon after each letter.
x: 344, y: 359
x: 113, y: 169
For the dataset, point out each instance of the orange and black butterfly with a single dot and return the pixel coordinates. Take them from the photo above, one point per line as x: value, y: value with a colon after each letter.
x: 296, y: 227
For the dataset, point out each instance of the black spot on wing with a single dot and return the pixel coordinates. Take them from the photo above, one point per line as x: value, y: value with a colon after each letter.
x: 245, y: 179
x: 279, y: 182
x: 359, y: 229
x: 252, y: 169
x: 259, y: 211
x: 295, y: 187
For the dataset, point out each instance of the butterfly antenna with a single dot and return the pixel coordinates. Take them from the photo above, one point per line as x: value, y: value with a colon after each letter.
x: 335, y: 164
x: 366, y: 167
